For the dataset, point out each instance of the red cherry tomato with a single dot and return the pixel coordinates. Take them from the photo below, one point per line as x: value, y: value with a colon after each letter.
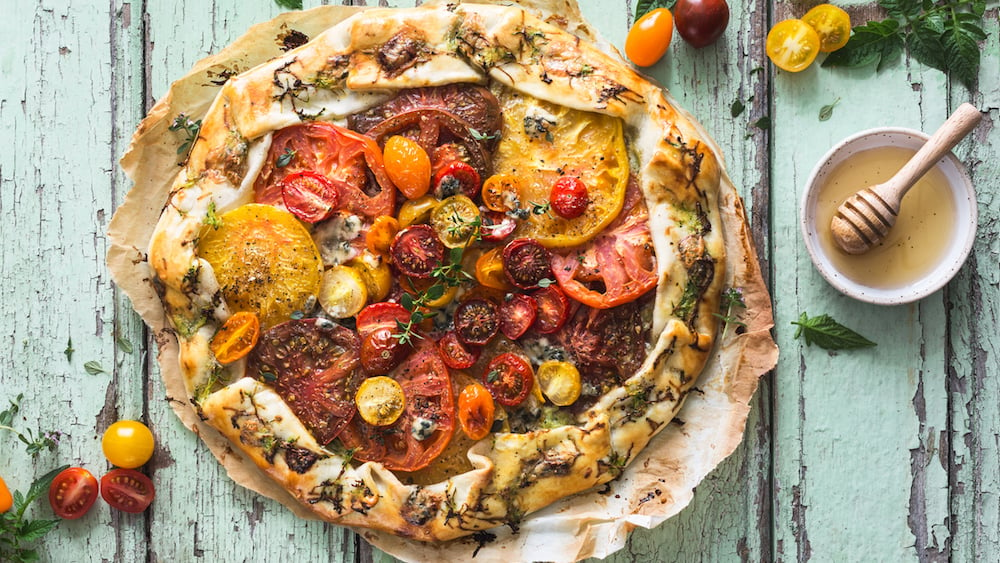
x: 650, y: 37
x: 701, y: 22
x: 381, y: 351
x: 476, y: 321
x: 417, y: 250
x: 381, y: 315
x: 127, y: 490
x: 455, y: 354
x: 496, y: 225
x: 517, y: 314
x: 553, y: 309
x: 569, y: 197
x: 509, y: 379
x: 309, y: 196
x: 456, y: 177
x: 526, y: 262
x: 72, y: 493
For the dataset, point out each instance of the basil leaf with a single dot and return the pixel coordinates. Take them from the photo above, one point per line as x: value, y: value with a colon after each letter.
x: 643, y: 7
x: 827, y: 333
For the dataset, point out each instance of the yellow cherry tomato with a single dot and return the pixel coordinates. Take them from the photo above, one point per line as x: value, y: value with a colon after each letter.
x: 236, y: 338
x: 343, y: 292
x: 476, y: 411
x: 6, y: 501
x: 380, y: 400
x: 455, y: 220
x: 380, y: 234
x: 489, y: 270
x: 376, y: 273
x: 649, y: 37
x: 407, y: 165
x: 792, y: 45
x: 832, y: 24
x: 127, y: 444
x: 416, y: 210
x: 559, y: 381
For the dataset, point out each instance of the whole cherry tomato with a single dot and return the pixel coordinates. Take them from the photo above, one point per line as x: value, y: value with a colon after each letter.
x: 569, y: 197
x: 701, y: 22
x: 650, y: 37
x: 128, y: 444
x: 407, y: 165
x: 475, y: 411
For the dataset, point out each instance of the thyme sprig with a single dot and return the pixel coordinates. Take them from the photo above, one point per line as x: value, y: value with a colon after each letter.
x: 732, y: 299
x: 34, y: 444
x: 191, y: 129
x: 445, y: 276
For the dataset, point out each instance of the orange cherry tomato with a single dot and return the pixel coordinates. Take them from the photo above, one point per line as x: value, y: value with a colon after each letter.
x: 489, y: 270
x: 792, y: 45
x: 381, y: 233
x: 407, y: 165
x: 832, y: 24
x: 476, y: 410
x: 500, y: 192
x: 6, y: 501
x: 649, y: 37
x: 236, y: 338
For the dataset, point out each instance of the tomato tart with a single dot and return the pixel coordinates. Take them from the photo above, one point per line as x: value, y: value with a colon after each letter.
x: 436, y: 269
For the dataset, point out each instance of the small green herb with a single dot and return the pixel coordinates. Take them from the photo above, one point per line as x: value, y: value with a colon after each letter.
x: 69, y: 350
x: 541, y: 209
x: 492, y: 376
x: 545, y: 282
x: 285, y: 158
x: 211, y: 217
x: 764, y: 122
x: 737, y: 108
x: 479, y: 136
x: 191, y: 129
x: 125, y: 344
x: 826, y: 111
x: 289, y: 4
x: 645, y: 6
x: 34, y: 445
x: 827, y: 333
x: 93, y: 367
x: 732, y: 299
x: 18, y: 533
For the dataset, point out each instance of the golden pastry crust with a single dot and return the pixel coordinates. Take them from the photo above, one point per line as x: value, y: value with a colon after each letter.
x: 352, y: 66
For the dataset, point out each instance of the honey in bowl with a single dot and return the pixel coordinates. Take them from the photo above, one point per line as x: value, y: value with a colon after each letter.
x: 918, y: 241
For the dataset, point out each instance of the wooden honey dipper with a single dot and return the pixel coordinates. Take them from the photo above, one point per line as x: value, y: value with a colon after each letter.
x: 865, y: 218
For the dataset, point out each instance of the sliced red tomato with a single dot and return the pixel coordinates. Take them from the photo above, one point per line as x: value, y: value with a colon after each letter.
x: 417, y: 250
x: 341, y: 155
x: 477, y: 321
x: 127, y: 490
x: 509, y: 378
x: 456, y: 177
x: 381, y: 315
x: 616, y: 267
x: 569, y: 197
x: 526, y: 263
x: 517, y: 313
x: 553, y: 309
x: 72, y: 493
x: 496, y: 226
x: 314, y: 365
x: 309, y: 196
x: 381, y: 351
x: 426, y: 425
x: 455, y: 353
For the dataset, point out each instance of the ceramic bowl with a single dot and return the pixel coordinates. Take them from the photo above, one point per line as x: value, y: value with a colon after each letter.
x: 961, y: 237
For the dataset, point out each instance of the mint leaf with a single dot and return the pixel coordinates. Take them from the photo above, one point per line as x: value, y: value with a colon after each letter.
x: 874, y: 42
x: 646, y: 6
x: 827, y: 333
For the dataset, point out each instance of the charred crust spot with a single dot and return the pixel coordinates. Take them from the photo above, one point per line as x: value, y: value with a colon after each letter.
x: 290, y: 39
x: 420, y: 507
x: 399, y: 53
x: 299, y: 460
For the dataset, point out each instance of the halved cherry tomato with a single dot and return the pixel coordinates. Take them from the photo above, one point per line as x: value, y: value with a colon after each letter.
x: 475, y: 411
x: 427, y: 423
x: 309, y: 196
x: 490, y: 271
x: 526, y: 263
x: 127, y: 490
x: 417, y: 251
x: 72, y: 493
x: 342, y: 292
x: 456, y: 220
x: 236, y: 338
x: 380, y: 234
x: 701, y: 22
x: 792, y: 45
x: 832, y: 24
x: 553, y: 309
x: 509, y: 379
x: 569, y: 196
x: 496, y: 226
x: 381, y: 351
x: 517, y: 313
x: 380, y: 400
x: 456, y: 177
x: 407, y: 165
x: 456, y: 354
x: 381, y: 315
x: 649, y: 37
x: 128, y: 444
x: 6, y: 501
x: 500, y: 192
x: 476, y: 321
x: 415, y: 211
x: 374, y: 270
x: 559, y: 382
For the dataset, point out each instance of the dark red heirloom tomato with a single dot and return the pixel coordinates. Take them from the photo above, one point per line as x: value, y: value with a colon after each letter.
x: 72, y: 493
x: 701, y: 22
x: 309, y: 196
x: 526, y: 262
x: 569, y: 197
x: 517, y: 314
x: 416, y: 251
x: 476, y: 321
x: 455, y: 354
x: 127, y: 490
x: 456, y: 177
x: 553, y: 309
x: 509, y: 378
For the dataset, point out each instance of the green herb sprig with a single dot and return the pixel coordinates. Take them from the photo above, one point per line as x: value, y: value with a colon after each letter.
x: 289, y: 4
x: 827, y: 333
x: 191, y: 129
x: 18, y: 533
x: 943, y: 35
x: 449, y: 274
x: 732, y: 299
x: 34, y: 445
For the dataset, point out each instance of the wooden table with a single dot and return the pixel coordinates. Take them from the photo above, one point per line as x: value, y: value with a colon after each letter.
x: 886, y: 454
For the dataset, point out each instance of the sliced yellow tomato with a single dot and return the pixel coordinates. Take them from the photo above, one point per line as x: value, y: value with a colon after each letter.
x: 455, y: 220
x: 792, y: 45
x: 236, y: 338
x: 343, y: 292
x: 265, y: 261
x: 832, y: 24
x: 559, y: 381
x: 380, y: 400
x: 542, y: 142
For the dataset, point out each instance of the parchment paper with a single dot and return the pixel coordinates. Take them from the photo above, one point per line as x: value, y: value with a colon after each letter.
x: 657, y: 484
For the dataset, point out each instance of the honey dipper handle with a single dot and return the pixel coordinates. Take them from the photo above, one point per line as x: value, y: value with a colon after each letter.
x: 957, y: 126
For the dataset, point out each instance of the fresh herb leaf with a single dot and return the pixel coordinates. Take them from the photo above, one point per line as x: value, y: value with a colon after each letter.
x: 191, y: 129
x: 827, y: 333
x: 125, y: 344
x: 826, y: 111
x: 285, y: 158
x: 479, y: 136
x: 289, y: 4
x: 211, y: 217
x: 732, y: 298
x: 93, y: 367
x: 34, y: 445
x: 17, y: 532
x: 545, y: 282
x: 737, y: 108
x: 69, y: 350
x: 646, y: 6
x: 764, y: 122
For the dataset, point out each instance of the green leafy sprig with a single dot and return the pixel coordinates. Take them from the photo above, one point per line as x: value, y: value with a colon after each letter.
x: 827, y: 333
x: 18, y: 533
x: 34, y: 445
x: 732, y: 299
x: 646, y: 6
x: 449, y: 274
x: 190, y: 128
x: 943, y: 35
